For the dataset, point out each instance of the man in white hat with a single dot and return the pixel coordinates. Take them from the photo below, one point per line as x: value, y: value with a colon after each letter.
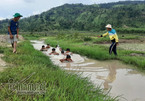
x: 113, y: 37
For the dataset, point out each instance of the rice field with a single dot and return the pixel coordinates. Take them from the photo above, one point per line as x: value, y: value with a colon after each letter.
x: 130, y: 46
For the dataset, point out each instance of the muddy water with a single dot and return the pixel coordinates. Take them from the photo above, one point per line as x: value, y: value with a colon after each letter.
x: 120, y: 79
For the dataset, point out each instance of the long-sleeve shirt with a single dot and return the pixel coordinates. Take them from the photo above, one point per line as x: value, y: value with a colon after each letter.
x: 112, y: 35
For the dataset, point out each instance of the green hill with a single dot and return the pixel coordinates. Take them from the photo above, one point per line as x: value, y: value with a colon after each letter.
x: 125, y: 14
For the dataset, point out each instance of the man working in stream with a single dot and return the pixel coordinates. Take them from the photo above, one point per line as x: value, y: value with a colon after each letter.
x: 13, y: 30
x: 113, y: 37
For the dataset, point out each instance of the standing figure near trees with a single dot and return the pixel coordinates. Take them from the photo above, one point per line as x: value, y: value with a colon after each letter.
x: 13, y: 31
x: 113, y: 37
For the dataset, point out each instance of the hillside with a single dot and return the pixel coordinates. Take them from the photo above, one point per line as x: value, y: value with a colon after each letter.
x: 125, y: 14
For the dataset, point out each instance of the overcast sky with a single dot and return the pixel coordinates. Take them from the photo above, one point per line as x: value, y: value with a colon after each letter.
x: 32, y: 7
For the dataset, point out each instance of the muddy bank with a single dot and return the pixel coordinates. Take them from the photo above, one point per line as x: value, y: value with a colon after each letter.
x: 3, y: 64
x: 4, y: 40
x: 137, y: 54
x: 4, y: 43
x: 123, y: 41
x: 130, y: 46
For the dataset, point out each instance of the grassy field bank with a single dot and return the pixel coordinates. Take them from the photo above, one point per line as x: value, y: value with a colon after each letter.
x: 60, y: 85
x: 98, y: 52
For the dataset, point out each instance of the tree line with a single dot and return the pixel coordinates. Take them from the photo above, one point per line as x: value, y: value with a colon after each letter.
x: 125, y: 14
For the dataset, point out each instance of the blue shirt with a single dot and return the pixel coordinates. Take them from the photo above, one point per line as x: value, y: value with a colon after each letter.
x: 13, y: 27
x: 112, y: 32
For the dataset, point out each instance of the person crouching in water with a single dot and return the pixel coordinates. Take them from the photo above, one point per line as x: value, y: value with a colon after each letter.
x: 68, y: 59
x: 53, y: 52
x: 62, y: 52
x: 43, y: 48
x: 48, y: 46
x: 113, y: 37
x: 68, y: 52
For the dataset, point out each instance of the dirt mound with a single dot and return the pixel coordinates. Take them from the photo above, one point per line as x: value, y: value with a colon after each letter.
x: 137, y: 54
x: 131, y: 41
x: 2, y: 63
x: 123, y: 41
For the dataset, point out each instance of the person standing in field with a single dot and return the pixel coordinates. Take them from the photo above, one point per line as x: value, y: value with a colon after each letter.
x: 13, y: 30
x: 113, y: 37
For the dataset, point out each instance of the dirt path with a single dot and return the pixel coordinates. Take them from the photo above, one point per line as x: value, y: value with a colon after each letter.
x: 4, y: 43
x: 129, y: 46
x: 3, y: 64
x: 4, y: 40
x: 123, y: 41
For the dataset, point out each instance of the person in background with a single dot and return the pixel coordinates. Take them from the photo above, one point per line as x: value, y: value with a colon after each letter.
x: 13, y: 31
x: 43, y: 48
x: 48, y: 46
x: 68, y: 59
x: 68, y: 52
x: 57, y: 46
x: 62, y: 52
x: 61, y: 49
x: 113, y: 37
x: 53, y: 52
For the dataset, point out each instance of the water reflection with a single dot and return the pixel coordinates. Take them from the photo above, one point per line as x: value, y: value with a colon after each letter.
x: 110, y: 77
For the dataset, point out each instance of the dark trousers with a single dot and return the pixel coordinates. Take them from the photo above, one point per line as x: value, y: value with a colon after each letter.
x: 113, y: 48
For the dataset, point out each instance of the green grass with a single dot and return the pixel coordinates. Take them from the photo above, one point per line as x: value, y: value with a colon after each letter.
x: 99, y: 52
x: 121, y: 36
x: 129, y: 36
x: 131, y: 30
x: 61, y: 85
x: 92, y: 36
x: 31, y: 37
x: 101, y: 40
x: 1, y: 50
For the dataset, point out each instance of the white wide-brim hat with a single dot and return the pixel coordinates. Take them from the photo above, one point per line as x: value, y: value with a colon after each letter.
x: 109, y: 26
